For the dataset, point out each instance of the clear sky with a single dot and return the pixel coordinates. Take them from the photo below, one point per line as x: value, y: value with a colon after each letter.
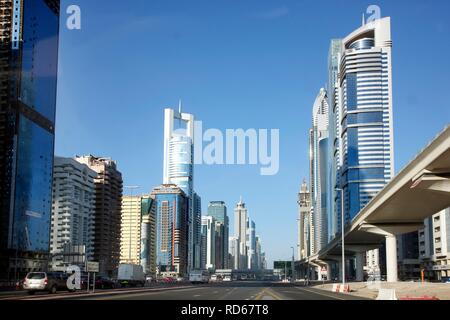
x: 235, y: 64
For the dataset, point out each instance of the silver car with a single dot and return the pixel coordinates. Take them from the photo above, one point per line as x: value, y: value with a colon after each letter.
x: 45, y: 281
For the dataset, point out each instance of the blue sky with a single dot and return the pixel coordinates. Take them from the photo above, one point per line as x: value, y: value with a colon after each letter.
x: 235, y: 64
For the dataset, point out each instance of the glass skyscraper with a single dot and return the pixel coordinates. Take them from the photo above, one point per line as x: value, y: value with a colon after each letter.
x: 171, y: 207
x: 365, y: 89
x: 28, y: 70
x: 218, y: 210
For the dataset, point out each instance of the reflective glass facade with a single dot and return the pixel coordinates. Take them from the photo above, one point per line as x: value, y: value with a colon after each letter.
x: 31, y: 52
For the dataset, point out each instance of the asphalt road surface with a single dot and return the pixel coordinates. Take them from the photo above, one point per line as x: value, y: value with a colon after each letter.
x: 239, y: 291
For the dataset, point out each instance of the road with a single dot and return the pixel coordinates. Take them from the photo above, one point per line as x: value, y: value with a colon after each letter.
x: 239, y: 291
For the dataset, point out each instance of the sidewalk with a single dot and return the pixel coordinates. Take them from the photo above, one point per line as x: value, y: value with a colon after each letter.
x: 402, y: 289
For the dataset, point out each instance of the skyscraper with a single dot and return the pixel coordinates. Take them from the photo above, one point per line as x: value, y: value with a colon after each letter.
x: 179, y: 170
x: 148, y: 234
x: 304, y: 218
x: 240, y: 232
x: 234, y: 253
x: 335, y: 140
x: 73, y: 210
x: 28, y: 78
x: 365, y: 89
x: 209, y: 244
x: 108, y: 209
x: 218, y: 210
x: 251, y: 244
x: 319, y: 174
x: 172, y: 208
x: 130, y: 231
x: 365, y: 86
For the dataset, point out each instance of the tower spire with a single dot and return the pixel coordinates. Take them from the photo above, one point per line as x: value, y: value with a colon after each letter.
x: 180, y: 106
x: 363, y: 19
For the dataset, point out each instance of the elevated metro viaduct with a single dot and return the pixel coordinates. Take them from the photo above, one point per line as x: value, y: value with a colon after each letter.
x: 420, y: 190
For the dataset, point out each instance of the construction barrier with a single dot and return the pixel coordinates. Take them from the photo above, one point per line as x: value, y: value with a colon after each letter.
x: 345, y: 289
x: 387, y: 294
x: 336, y: 288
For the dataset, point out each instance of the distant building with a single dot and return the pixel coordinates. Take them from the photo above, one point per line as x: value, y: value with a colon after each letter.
x: 304, y: 221
x: 240, y: 231
x: 108, y: 208
x: 251, y: 244
x: 148, y: 235
x: 172, y: 210
x: 234, y: 253
x: 178, y: 169
x: 73, y: 210
x: 218, y: 210
x: 130, y: 239
x: 319, y: 161
x: 209, y: 244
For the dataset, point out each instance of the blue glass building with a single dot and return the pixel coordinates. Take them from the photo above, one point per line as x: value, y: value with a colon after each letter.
x: 29, y: 65
x: 172, y: 210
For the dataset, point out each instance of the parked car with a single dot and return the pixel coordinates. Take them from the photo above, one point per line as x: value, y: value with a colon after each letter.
x: 105, y: 283
x: 227, y: 279
x: 45, y: 281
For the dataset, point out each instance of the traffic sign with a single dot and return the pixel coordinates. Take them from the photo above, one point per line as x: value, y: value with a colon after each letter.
x: 92, y: 266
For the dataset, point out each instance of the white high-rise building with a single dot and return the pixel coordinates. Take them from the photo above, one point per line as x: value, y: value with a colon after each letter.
x: 209, y: 242
x: 319, y: 162
x: 73, y: 209
x: 234, y: 253
x: 179, y: 170
x: 240, y: 232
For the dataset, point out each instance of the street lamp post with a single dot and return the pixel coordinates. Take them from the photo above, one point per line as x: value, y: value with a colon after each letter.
x: 343, y: 234
x: 293, y: 263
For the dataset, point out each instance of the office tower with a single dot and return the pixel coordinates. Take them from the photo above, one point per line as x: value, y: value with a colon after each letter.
x: 218, y: 210
x: 130, y: 230
x: 365, y: 104
x: 209, y: 245
x: 258, y: 253
x: 108, y: 207
x: 234, y: 253
x: 304, y: 203
x: 251, y: 244
x: 434, y: 246
x: 335, y: 141
x: 29, y: 33
x: 240, y: 232
x: 319, y: 163
x: 179, y: 167
x: 172, y: 209
x: 197, y: 224
x: 148, y: 235
x: 73, y: 209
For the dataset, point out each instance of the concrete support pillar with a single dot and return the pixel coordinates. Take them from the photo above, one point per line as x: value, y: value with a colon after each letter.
x: 339, y: 264
x: 328, y: 272
x: 359, y: 266
x: 391, y: 258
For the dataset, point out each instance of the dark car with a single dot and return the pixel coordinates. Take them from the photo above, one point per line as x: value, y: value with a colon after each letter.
x: 104, y: 283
